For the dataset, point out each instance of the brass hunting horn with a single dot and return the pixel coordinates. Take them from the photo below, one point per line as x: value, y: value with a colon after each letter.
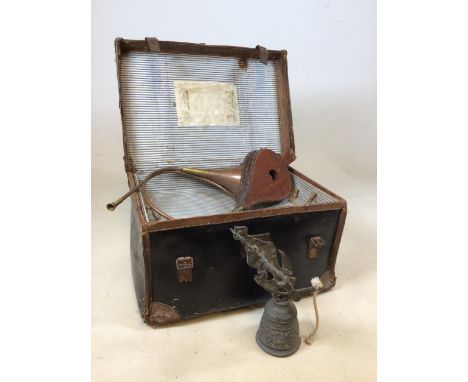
x: 262, y: 178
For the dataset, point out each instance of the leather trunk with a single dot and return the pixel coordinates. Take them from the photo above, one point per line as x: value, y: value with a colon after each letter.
x: 190, y: 266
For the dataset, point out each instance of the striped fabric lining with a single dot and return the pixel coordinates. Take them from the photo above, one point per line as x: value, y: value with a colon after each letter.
x: 154, y: 139
x: 186, y: 197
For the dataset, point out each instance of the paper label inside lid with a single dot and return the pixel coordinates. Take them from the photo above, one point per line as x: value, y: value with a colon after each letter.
x: 206, y: 103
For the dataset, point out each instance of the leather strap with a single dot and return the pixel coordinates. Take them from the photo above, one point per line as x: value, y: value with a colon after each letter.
x: 262, y: 54
x: 153, y: 44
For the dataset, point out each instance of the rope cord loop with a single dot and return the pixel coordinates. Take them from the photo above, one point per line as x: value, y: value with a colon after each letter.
x: 317, y: 284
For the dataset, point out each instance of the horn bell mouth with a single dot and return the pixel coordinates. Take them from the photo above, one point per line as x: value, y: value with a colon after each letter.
x: 111, y: 206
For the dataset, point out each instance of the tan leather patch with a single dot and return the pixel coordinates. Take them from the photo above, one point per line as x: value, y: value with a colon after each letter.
x: 161, y: 314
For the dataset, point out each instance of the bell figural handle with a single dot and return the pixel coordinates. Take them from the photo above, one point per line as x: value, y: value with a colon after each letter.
x: 278, y: 333
x: 263, y: 255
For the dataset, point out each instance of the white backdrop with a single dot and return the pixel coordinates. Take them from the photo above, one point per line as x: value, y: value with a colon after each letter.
x: 331, y: 52
x: 332, y: 72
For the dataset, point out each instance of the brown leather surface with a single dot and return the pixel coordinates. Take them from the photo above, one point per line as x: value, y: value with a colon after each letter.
x: 265, y: 179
